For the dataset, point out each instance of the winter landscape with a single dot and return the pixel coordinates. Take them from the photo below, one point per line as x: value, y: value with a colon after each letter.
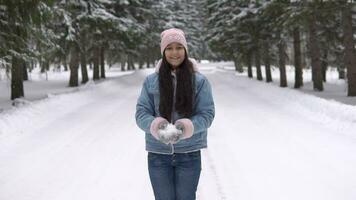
x: 266, y: 142
x: 283, y: 77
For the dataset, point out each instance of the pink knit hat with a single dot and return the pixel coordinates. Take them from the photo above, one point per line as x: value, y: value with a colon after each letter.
x: 172, y: 35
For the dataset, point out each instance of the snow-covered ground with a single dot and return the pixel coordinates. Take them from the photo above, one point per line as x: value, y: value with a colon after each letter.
x: 266, y: 142
x: 42, y: 85
x: 334, y: 89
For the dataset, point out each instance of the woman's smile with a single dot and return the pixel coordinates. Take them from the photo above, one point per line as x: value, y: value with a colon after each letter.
x: 175, y: 54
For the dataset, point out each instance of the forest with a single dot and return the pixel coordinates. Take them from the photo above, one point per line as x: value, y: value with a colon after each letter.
x: 83, y: 36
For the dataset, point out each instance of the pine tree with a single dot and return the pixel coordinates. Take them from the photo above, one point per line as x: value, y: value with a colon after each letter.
x: 297, y: 58
x: 314, y: 50
x: 17, y: 21
x: 350, y: 55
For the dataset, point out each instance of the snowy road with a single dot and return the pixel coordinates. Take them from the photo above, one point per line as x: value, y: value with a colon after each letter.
x: 265, y: 143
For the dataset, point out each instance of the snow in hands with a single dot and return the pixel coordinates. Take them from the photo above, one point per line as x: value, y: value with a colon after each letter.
x: 170, y: 134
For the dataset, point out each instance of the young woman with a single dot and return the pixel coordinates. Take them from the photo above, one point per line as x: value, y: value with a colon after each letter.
x: 175, y: 109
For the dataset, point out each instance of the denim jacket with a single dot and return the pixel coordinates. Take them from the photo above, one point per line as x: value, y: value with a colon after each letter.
x: 147, y: 109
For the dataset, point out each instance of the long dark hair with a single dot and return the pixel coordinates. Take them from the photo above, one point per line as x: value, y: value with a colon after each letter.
x: 184, y: 91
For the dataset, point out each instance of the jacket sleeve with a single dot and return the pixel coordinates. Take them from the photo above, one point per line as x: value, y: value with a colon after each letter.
x: 204, y: 112
x: 145, y: 108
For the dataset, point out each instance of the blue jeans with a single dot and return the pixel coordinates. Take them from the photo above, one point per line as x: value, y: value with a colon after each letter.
x: 176, y: 176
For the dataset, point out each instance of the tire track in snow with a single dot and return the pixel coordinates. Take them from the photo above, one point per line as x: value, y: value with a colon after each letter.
x: 210, y: 182
x: 81, y: 157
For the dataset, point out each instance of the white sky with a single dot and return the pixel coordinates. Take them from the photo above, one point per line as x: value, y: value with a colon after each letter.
x: 266, y: 142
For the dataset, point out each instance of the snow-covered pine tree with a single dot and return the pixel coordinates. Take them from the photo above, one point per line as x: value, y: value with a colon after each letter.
x: 314, y: 46
x: 235, y: 31
x: 17, y: 21
x: 349, y: 45
x: 222, y: 23
x: 188, y: 15
x: 277, y: 33
x: 72, y: 11
x: 127, y: 29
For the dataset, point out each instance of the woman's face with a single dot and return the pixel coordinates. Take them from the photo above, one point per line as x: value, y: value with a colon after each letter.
x: 175, y: 54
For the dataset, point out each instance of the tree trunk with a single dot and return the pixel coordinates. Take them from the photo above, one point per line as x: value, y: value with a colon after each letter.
x: 282, y: 63
x: 304, y: 57
x: 32, y: 66
x: 17, y: 90
x: 297, y: 59
x: 249, y: 65
x: 65, y: 66
x: 238, y: 66
x: 46, y: 66
x: 130, y: 63
x: 267, y: 62
x: 96, y: 58
x: 74, y: 66
x: 315, y: 55
x: 147, y: 62
x: 42, y: 66
x: 342, y: 73
x: 83, y: 66
x: 102, y: 62
x: 324, y: 64
x: 24, y: 71
x: 7, y: 66
x: 123, y: 63
x: 349, y: 58
x: 258, y: 64
x: 83, y: 57
x: 140, y: 63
